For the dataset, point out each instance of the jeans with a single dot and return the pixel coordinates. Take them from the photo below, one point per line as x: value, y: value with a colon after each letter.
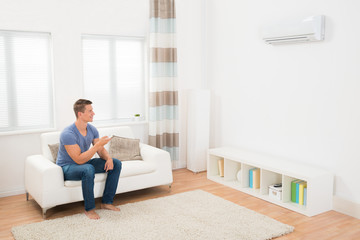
x: 86, y: 173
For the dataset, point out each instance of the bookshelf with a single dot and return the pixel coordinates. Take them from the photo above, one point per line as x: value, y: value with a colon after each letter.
x: 272, y: 170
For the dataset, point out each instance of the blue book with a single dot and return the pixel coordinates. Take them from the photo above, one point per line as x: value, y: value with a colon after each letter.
x: 297, y: 191
x: 251, y: 178
x: 305, y: 194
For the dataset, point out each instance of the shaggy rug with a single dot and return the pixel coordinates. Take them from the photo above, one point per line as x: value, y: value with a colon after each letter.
x: 190, y: 215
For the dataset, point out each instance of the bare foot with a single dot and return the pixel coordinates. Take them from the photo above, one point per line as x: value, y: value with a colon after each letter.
x: 109, y: 207
x: 92, y: 214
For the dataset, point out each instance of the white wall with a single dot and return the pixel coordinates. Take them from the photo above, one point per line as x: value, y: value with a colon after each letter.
x: 300, y: 101
x: 66, y: 20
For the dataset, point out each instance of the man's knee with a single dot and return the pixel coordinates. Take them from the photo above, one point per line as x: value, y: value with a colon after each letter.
x: 117, y: 164
x: 88, y: 171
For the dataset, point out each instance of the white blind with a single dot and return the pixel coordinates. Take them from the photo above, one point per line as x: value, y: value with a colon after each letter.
x: 114, y: 76
x: 26, y: 98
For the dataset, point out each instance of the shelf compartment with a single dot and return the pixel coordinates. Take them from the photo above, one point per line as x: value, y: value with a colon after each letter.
x: 245, y: 181
x: 231, y: 169
x: 213, y: 167
x: 287, y: 191
x: 268, y: 178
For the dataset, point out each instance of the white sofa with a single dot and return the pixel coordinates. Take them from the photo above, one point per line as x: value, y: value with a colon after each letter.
x: 44, y: 180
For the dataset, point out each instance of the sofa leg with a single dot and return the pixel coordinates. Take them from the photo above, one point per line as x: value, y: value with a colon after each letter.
x: 44, y: 212
x: 27, y: 196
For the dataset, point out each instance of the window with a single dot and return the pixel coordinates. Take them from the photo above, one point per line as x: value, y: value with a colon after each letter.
x: 26, y: 96
x: 114, y: 76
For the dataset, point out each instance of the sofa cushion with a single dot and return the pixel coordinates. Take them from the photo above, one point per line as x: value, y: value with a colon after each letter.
x: 129, y: 168
x: 124, y: 149
x: 54, y: 149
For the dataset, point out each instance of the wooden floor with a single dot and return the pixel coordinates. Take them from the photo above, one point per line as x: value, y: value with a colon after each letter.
x: 15, y: 210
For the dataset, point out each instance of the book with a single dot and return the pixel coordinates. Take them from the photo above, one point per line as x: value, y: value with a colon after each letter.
x: 298, y: 190
x: 221, y: 167
x: 293, y: 190
x: 302, y: 185
x: 256, y: 178
x: 251, y: 178
x: 305, y: 195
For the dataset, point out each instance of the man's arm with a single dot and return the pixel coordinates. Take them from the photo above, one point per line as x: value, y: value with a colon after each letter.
x: 74, y: 151
x: 103, y: 153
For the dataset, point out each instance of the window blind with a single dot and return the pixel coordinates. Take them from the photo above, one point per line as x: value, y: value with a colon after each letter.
x: 113, y: 69
x: 26, y: 95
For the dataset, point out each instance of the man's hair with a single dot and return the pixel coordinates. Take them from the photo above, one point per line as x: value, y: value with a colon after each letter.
x: 79, y: 106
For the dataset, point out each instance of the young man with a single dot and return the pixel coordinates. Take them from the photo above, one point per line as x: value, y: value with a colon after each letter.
x: 75, y: 156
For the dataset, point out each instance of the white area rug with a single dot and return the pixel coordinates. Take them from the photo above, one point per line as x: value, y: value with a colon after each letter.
x: 190, y: 215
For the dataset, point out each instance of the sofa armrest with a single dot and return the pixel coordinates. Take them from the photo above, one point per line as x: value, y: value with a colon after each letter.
x: 150, y: 153
x: 159, y: 157
x: 42, y: 175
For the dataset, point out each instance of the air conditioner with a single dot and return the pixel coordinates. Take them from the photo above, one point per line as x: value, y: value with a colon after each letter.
x: 306, y: 30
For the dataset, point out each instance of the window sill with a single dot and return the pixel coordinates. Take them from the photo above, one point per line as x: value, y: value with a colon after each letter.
x: 129, y: 123
x: 30, y: 131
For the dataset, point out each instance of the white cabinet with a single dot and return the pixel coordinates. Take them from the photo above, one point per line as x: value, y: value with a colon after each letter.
x: 272, y: 170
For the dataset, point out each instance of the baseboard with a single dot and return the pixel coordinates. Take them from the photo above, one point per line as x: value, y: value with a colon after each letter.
x: 12, y: 192
x: 347, y: 207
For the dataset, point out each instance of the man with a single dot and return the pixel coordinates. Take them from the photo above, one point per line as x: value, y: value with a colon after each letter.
x: 75, y: 156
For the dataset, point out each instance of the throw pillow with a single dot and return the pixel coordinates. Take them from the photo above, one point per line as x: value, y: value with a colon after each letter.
x: 124, y: 149
x: 54, y: 149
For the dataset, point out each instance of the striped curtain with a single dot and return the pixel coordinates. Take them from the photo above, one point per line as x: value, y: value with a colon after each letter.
x: 163, y: 112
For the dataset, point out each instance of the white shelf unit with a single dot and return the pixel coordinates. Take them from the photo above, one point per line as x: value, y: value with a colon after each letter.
x: 272, y: 170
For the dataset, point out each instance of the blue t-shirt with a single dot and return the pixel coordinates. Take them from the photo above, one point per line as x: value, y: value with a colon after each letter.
x: 71, y: 136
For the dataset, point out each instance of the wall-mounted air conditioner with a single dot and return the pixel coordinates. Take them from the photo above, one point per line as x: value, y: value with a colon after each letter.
x: 306, y: 30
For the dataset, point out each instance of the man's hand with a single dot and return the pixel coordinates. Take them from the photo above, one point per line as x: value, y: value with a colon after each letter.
x: 103, y: 141
x: 109, y: 165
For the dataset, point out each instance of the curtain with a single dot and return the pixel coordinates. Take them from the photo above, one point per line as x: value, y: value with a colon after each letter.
x: 163, y: 112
